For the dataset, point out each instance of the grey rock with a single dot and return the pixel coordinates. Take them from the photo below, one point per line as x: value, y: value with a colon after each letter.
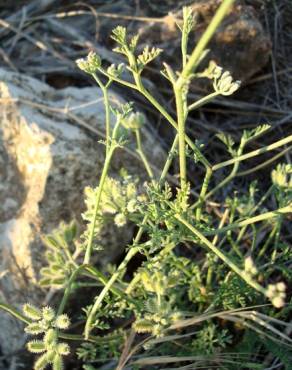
x: 49, y: 152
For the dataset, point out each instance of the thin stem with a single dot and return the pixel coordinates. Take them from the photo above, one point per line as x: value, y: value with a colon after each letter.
x: 265, y: 163
x: 206, y: 37
x: 203, y: 193
x: 104, y: 89
x: 142, y: 154
x: 69, y: 288
x: 98, y: 196
x: 168, y: 117
x: 199, y: 103
x: 103, y: 293
x: 254, y: 153
x: 181, y: 119
x: 169, y: 159
x: 162, y: 111
x: 223, y: 182
x: 268, y: 241
x: 214, y: 242
x: 252, y: 220
x: 247, y: 278
x: 14, y: 312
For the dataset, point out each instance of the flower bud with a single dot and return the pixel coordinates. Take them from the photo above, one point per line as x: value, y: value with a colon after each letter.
x: 120, y: 219
x: 134, y: 121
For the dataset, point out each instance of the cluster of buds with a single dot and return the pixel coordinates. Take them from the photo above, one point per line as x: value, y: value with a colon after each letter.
x: 282, y: 176
x: 250, y: 267
x: 116, y: 70
x: 46, y: 322
x: 91, y: 64
x: 159, y: 317
x: 276, y: 294
x: 225, y: 85
x: 134, y: 121
x: 223, y: 82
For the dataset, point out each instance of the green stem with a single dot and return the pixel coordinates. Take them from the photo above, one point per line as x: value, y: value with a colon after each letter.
x: 14, y: 312
x: 254, y: 153
x: 162, y: 111
x: 206, y: 37
x: 142, y: 154
x: 199, y: 103
x: 99, y: 192
x: 268, y: 241
x: 181, y: 119
x: 104, y: 90
x: 247, y: 278
x: 203, y: 192
x: 114, y: 277
x: 169, y: 159
x: 68, y: 289
x: 252, y: 220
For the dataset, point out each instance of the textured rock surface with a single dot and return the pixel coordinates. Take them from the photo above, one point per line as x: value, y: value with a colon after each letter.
x: 240, y: 44
x: 46, y: 160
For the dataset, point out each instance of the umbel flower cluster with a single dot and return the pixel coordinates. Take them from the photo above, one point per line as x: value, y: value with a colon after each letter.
x: 45, y: 322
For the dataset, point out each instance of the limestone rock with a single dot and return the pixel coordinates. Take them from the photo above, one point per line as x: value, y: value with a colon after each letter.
x: 48, y: 154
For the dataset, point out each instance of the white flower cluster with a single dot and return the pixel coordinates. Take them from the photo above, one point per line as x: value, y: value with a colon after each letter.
x: 276, y: 293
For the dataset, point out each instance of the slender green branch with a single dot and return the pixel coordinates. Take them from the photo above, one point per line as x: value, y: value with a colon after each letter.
x: 181, y: 120
x: 252, y: 220
x: 99, y: 192
x: 103, y: 293
x: 254, y: 153
x: 199, y: 103
x: 246, y: 277
x: 68, y: 288
x: 206, y: 37
x: 265, y: 163
x: 203, y: 192
x: 169, y: 159
x: 163, y: 112
x: 142, y: 154
x: 104, y: 89
x: 14, y: 312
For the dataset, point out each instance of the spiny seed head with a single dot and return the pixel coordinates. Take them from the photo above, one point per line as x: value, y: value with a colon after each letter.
x: 58, y: 362
x: 50, y: 337
x: 42, y: 362
x: 36, y: 346
x: 34, y: 328
x: 63, y: 349
x: 51, y: 354
x: 62, y: 322
x: 31, y: 312
x: 48, y: 313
